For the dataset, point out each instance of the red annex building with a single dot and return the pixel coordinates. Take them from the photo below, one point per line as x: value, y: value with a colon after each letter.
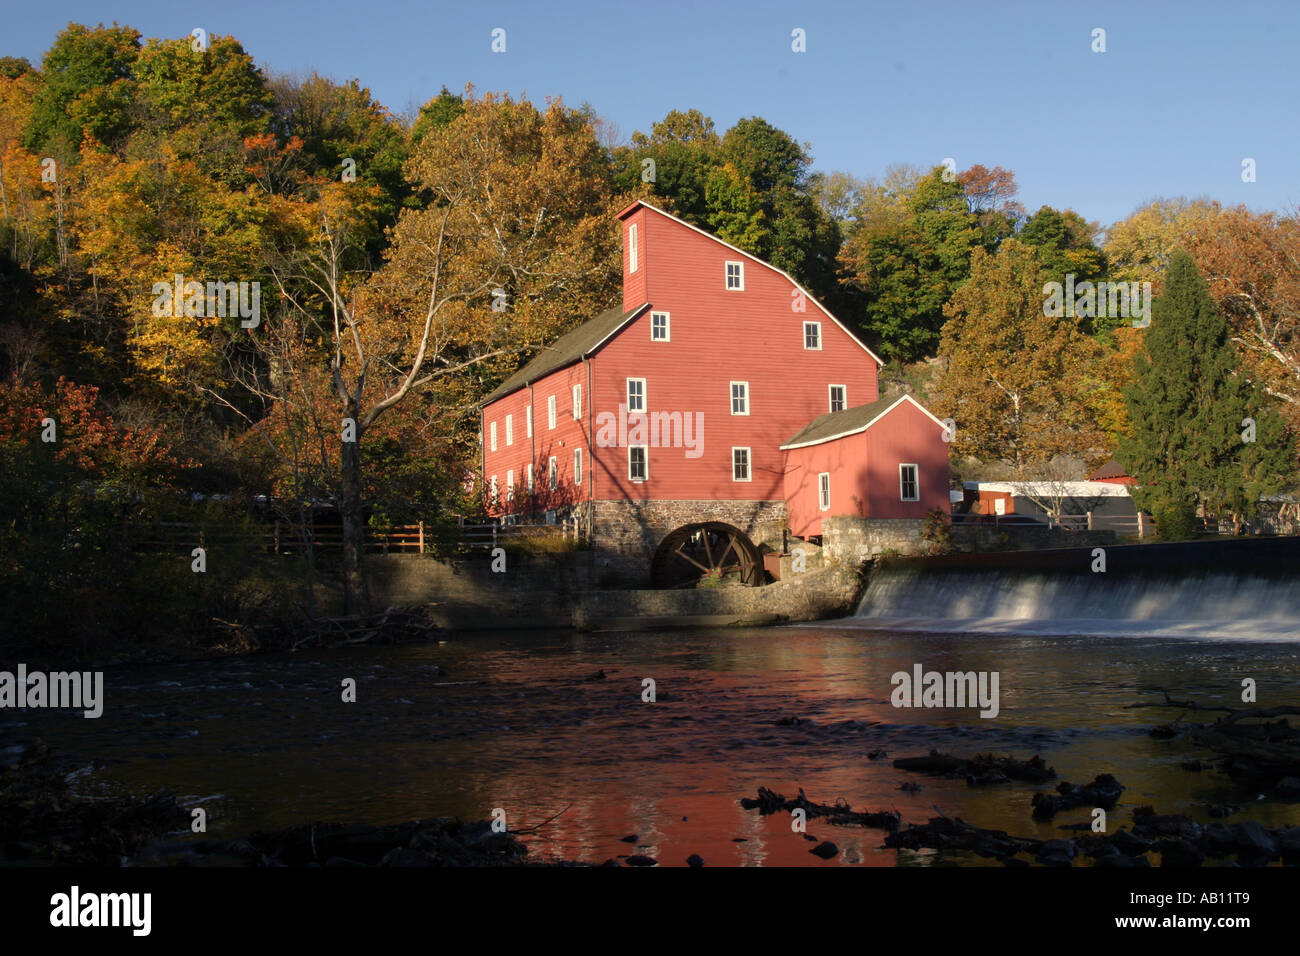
x: 702, y: 414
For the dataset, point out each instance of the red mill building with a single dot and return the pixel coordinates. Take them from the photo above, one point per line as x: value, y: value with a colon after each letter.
x: 719, y: 405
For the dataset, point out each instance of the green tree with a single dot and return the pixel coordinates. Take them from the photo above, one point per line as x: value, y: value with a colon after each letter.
x: 87, y: 85
x: 1189, y: 409
x: 682, y: 150
x: 911, y: 251
x: 437, y: 113
x: 201, y: 104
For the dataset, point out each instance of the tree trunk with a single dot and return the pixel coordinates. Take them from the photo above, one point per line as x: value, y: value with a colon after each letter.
x: 355, y: 595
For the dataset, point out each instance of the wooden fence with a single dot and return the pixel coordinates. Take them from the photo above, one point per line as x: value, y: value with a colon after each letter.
x: 282, y: 537
x: 1138, y: 525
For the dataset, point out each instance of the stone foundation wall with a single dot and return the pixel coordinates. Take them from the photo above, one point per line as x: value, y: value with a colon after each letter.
x: 540, y: 591
x: 625, y: 534
x: 852, y: 540
x: 810, y: 596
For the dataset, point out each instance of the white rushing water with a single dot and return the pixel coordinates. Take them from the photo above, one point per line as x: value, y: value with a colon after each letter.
x: 1217, y: 605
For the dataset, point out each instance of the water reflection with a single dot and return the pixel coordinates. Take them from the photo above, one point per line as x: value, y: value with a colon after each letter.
x: 519, y: 721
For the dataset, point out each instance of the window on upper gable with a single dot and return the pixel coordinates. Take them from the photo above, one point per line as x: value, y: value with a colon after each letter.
x: 633, y: 253
x: 577, y: 402
x: 550, y: 412
x: 908, y: 486
x: 492, y: 436
x: 839, y: 401
x: 510, y: 430
x: 740, y: 398
x: 659, y: 329
x: 736, y: 276
x: 812, y: 335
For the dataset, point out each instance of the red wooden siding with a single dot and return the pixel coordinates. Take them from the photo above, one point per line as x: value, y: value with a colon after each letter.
x: 560, y: 441
x: 864, y: 472
x: 716, y: 337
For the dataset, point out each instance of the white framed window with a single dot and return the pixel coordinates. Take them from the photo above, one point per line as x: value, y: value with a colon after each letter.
x: 528, y: 477
x: 659, y: 327
x: 492, y: 436
x: 510, y: 430
x: 529, y: 420
x: 552, y: 473
x: 839, y: 398
x: 638, y: 462
x: 909, y: 488
x: 510, y: 485
x: 740, y: 470
x: 577, y: 467
x: 735, y: 277
x: 633, y: 253
x: 550, y: 412
x: 492, y: 489
x: 812, y: 335
x: 824, y: 491
x: 577, y: 403
x: 740, y: 398
x: 636, y: 395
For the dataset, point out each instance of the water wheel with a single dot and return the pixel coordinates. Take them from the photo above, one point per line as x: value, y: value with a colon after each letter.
x: 710, y: 548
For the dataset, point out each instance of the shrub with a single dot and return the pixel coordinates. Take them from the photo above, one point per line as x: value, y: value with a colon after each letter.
x: 937, y: 531
x: 711, y: 578
x: 1175, y: 519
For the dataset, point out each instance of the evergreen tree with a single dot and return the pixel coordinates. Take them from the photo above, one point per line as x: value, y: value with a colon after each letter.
x: 1192, y: 444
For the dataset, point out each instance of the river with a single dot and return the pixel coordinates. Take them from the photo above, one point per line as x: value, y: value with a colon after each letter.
x: 523, y: 722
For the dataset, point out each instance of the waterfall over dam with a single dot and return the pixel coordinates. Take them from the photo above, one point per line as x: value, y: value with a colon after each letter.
x: 1239, y: 589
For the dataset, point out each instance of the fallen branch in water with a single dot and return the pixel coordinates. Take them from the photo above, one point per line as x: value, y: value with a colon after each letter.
x: 544, y: 822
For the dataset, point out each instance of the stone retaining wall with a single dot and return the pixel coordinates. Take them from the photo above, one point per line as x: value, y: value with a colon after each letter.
x: 1020, y: 537
x: 853, y: 540
x: 540, y: 591
x: 814, y: 595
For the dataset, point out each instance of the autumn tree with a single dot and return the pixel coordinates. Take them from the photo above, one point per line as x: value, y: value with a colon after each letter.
x: 514, y: 243
x: 345, y: 135
x: 1252, y: 264
x: 1139, y: 247
x: 1018, y: 383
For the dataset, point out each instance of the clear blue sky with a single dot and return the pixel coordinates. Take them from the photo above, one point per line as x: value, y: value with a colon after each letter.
x: 1184, y: 91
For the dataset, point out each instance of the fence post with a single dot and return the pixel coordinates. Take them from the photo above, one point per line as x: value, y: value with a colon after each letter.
x: 1089, y: 520
x: 1141, y: 530
x: 277, y: 536
x: 422, y: 536
x: 494, y: 531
